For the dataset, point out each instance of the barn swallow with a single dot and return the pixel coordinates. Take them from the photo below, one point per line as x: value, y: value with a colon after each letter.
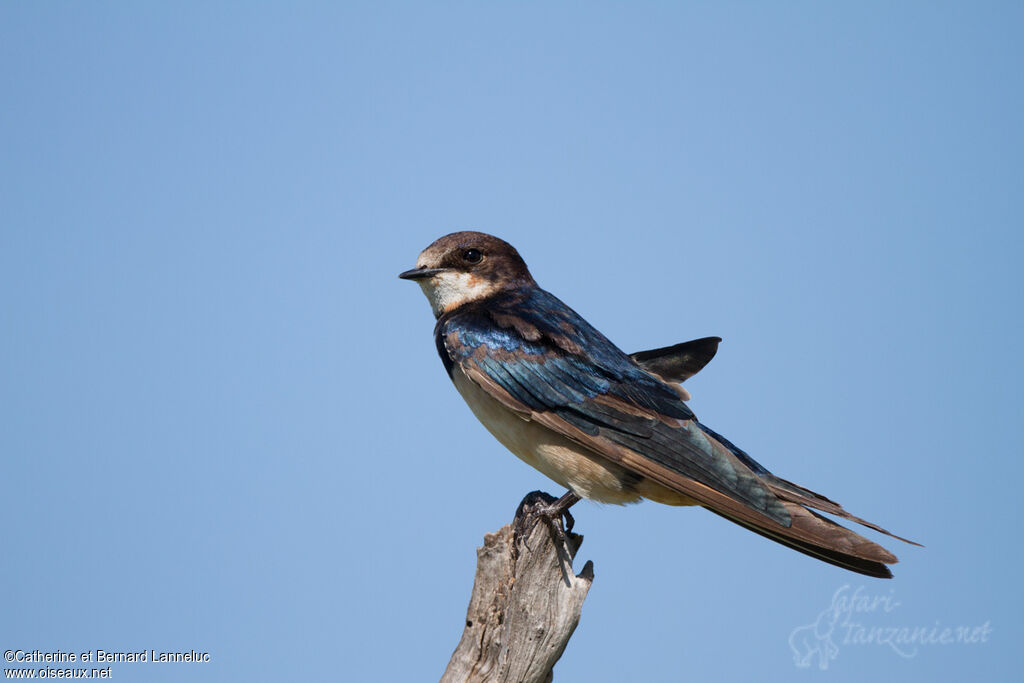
x: 608, y: 426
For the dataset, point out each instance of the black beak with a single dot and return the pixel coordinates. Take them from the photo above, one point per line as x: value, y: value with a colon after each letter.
x: 420, y: 273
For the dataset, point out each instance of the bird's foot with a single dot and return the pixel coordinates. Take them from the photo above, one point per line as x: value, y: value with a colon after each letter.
x: 538, y: 505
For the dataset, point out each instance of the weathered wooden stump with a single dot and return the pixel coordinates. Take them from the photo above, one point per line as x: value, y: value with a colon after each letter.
x: 525, y: 604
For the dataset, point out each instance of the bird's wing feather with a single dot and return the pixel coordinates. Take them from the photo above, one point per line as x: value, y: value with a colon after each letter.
x: 600, y: 398
x: 680, y: 362
x: 604, y: 401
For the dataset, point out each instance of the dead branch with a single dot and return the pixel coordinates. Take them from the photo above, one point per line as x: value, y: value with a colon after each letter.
x: 525, y: 604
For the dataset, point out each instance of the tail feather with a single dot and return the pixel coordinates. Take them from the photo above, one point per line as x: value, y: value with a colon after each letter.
x: 833, y: 543
x: 788, y: 491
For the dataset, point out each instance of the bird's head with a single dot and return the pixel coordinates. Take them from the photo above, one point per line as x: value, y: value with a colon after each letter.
x: 467, y: 266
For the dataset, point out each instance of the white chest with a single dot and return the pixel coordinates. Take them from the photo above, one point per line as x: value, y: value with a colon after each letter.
x: 566, y: 462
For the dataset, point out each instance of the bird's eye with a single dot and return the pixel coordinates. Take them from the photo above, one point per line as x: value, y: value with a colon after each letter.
x: 472, y: 256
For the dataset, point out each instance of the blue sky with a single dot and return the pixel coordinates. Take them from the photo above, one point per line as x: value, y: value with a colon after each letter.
x: 225, y: 425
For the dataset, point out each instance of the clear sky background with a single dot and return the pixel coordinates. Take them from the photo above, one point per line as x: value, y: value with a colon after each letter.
x: 225, y: 427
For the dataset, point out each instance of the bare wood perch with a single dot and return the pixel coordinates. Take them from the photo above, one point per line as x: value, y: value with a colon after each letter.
x: 525, y: 604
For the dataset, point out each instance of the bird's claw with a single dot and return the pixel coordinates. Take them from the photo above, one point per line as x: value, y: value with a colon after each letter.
x: 540, y: 505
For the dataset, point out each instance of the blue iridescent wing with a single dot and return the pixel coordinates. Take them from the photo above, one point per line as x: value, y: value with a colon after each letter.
x: 539, y: 357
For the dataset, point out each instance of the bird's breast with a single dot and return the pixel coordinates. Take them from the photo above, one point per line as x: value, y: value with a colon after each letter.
x: 561, y: 459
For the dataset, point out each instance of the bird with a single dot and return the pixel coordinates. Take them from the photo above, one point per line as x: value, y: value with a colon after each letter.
x: 608, y: 426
